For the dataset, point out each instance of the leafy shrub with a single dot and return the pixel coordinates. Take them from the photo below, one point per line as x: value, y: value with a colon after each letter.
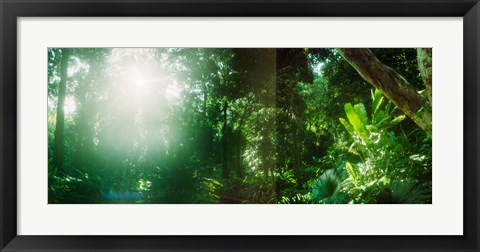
x: 387, y: 168
x: 297, y: 199
x: 78, y: 188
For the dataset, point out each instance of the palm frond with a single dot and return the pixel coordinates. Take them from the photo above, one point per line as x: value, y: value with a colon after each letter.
x: 327, y: 189
x: 404, y: 193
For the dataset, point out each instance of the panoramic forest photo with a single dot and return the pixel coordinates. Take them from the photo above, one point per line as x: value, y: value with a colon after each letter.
x: 239, y: 126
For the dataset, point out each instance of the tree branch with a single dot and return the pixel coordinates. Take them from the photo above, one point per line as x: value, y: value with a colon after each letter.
x: 392, y: 84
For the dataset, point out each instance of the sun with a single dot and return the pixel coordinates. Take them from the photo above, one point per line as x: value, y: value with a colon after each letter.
x: 142, y: 83
x: 141, y: 80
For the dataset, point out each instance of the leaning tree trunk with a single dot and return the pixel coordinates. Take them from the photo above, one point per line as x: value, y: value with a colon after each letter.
x: 393, y: 85
x: 58, y: 149
x: 424, y: 59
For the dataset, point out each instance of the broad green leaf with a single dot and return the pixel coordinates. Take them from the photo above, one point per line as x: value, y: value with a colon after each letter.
x: 377, y: 117
x: 348, y: 126
x: 377, y: 100
x: 397, y: 119
x: 377, y: 109
x: 361, y: 112
x: 387, y: 108
x: 356, y: 122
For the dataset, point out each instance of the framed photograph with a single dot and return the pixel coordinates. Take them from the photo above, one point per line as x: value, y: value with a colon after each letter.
x: 239, y: 125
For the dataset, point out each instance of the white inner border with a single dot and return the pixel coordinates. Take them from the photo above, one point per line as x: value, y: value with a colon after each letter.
x: 443, y: 217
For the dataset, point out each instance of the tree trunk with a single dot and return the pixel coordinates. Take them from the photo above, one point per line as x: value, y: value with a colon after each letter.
x: 58, y: 149
x: 238, y: 153
x: 205, y: 95
x: 424, y: 59
x: 297, y: 162
x: 225, y: 172
x: 392, y: 84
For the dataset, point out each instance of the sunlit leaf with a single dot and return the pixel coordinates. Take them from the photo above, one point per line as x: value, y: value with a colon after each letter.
x: 353, y: 172
x: 347, y: 126
x: 356, y: 122
x: 361, y: 112
x: 377, y: 100
x: 397, y: 119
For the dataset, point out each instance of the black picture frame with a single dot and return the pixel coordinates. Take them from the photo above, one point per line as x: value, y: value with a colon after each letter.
x: 10, y: 10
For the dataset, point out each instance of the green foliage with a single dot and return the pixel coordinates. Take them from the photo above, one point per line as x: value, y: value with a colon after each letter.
x: 373, y: 140
x: 328, y: 188
x: 73, y: 189
x: 358, y: 120
x: 297, y: 199
x: 230, y: 125
x: 404, y: 193
x: 381, y: 152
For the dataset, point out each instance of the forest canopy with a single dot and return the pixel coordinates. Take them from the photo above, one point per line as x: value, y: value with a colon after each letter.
x: 239, y: 125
